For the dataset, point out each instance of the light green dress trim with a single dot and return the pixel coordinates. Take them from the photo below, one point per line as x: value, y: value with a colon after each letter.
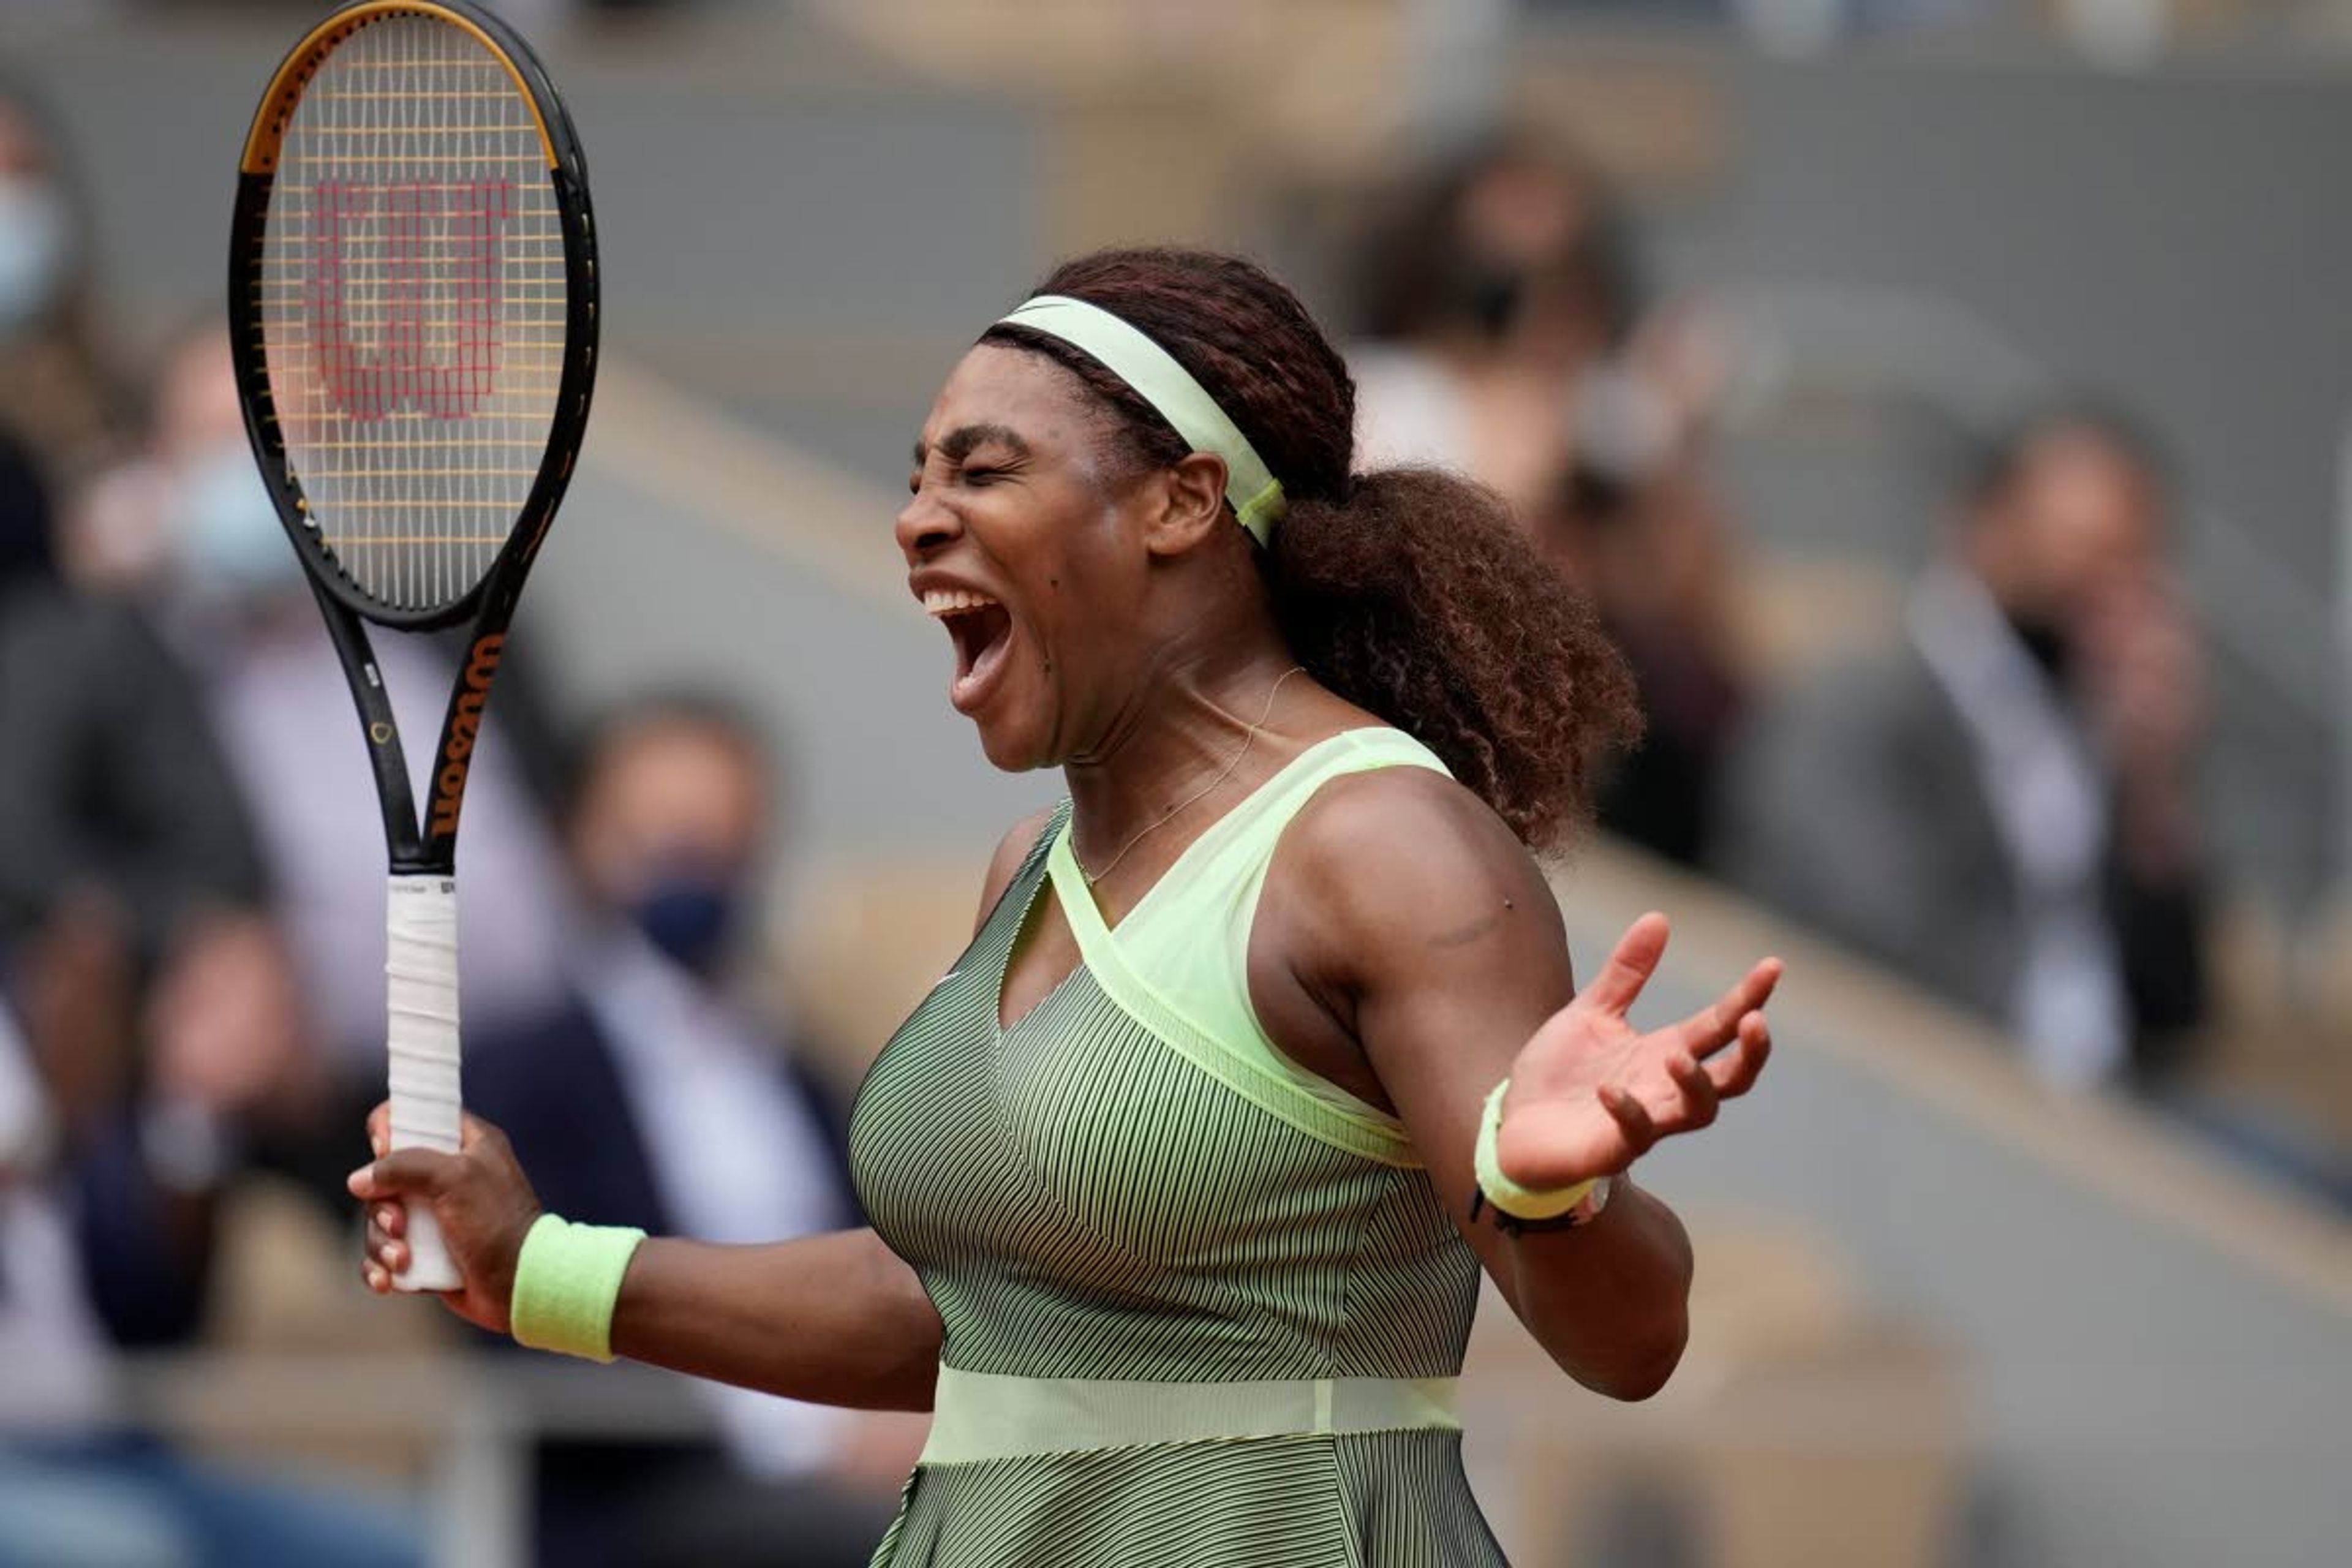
x: 1179, y: 961
x: 978, y: 1416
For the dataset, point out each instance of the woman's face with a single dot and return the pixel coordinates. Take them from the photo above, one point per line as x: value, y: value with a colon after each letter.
x: 1022, y: 541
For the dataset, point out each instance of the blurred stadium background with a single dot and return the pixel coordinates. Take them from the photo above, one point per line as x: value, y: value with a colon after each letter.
x: 1968, y: 1295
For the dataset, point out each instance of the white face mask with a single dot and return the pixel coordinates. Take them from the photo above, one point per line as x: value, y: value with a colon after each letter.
x: 231, y: 545
x: 35, y: 229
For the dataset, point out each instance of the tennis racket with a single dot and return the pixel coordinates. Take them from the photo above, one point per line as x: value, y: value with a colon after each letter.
x: 412, y: 301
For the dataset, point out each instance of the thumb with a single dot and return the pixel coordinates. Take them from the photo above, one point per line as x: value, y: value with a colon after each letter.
x: 1630, y: 965
x: 420, y: 1173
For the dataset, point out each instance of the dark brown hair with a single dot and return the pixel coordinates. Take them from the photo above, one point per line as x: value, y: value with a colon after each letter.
x: 1411, y: 592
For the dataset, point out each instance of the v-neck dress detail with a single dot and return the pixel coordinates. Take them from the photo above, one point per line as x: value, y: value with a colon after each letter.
x: 1201, y: 1305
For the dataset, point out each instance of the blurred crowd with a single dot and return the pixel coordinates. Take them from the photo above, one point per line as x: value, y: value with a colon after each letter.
x: 191, y: 972
x: 2002, y: 801
x: 2003, y: 806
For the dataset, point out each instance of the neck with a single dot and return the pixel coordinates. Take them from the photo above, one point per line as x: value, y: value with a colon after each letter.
x: 1186, y: 725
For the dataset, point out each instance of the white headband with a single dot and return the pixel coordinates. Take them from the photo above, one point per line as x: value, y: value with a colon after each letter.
x: 1156, y: 378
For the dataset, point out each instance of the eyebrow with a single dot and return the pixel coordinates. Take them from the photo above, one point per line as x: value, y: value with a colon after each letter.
x: 959, y: 443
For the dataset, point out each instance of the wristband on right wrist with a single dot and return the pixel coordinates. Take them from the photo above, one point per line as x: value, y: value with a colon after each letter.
x: 567, y: 1281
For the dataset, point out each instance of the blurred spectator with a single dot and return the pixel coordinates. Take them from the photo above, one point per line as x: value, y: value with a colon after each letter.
x: 113, y: 786
x: 2006, y: 809
x: 160, y: 1029
x: 226, y: 585
x: 1638, y: 523
x: 130, y: 887
x: 1493, y: 289
x: 105, y: 1238
x: 27, y: 543
x: 54, y: 396
x: 1510, y: 343
x: 655, y: 1097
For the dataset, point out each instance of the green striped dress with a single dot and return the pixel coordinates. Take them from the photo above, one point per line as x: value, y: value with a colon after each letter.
x: 1201, y: 1307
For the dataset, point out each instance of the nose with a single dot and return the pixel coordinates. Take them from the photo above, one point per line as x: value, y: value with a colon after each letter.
x: 925, y: 526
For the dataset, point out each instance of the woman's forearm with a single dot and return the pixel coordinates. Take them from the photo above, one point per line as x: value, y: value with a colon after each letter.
x: 1608, y: 1301
x: 834, y: 1319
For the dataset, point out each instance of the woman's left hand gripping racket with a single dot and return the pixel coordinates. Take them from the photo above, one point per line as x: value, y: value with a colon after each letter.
x: 412, y: 299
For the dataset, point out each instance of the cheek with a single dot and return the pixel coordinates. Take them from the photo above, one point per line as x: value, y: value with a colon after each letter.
x: 1075, y: 576
x: 1102, y: 567
x: 1076, y: 585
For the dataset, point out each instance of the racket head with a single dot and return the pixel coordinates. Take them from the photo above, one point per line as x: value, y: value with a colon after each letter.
x: 412, y: 308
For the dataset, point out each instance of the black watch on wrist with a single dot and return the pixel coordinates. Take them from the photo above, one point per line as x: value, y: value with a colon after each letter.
x: 1585, y: 1210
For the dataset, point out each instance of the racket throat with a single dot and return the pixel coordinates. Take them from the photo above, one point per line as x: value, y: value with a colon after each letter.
x: 459, y: 734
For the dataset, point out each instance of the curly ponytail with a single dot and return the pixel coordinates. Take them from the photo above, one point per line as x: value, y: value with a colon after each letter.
x: 1411, y: 592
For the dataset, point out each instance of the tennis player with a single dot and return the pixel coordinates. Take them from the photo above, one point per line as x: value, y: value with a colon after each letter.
x: 1182, y: 1180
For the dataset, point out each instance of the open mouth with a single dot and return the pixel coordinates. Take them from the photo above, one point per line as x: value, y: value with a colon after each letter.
x: 982, y: 630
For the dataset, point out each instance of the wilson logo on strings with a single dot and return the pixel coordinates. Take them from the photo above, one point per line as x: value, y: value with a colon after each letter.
x: 405, y: 288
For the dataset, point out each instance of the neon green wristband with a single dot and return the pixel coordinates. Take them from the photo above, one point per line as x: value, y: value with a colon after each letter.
x: 1506, y: 1195
x: 567, y: 1280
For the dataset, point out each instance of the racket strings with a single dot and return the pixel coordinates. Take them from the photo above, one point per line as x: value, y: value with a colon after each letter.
x: 414, y: 305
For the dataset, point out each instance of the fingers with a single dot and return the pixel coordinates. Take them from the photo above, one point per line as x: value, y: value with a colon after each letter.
x: 1630, y: 966
x: 1698, y: 1087
x: 1632, y: 1118
x: 387, y: 1252
x: 1734, y: 1071
x: 383, y: 1253
x: 1699, y: 1095
x: 395, y: 1174
x: 1710, y: 1029
x: 425, y: 1172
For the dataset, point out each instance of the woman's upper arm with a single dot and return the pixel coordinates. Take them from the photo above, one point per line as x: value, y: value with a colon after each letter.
x: 1432, y: 924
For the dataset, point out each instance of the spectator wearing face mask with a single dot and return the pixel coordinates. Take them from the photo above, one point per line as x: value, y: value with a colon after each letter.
x: 1510, y: 341
x: 55, y: 396
x: 160, y: 1034
x: 219, y: 576
x: 120, y: 826
x: 654, y: 1096
x: 2006, y: 809
x: 116, y: 804
x: 1495, y: 296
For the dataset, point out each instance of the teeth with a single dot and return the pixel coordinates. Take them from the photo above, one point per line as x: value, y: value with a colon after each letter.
x: 952, y: 601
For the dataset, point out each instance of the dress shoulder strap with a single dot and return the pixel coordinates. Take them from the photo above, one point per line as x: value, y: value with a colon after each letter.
x: 1022, y: 886
x: 1182, y: 954
x: 1251, y: 829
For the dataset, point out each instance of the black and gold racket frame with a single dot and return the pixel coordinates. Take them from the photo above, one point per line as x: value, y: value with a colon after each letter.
x: 426, y: 846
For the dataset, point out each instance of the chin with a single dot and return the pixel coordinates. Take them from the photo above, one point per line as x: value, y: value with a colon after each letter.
x: 1012, y: 745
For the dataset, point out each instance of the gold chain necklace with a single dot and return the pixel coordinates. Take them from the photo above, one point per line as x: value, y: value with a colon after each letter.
x: 1247, y: 740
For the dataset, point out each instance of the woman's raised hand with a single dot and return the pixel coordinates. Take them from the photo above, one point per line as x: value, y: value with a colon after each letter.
x: 1589, y: 1094
x: 480, y: 1196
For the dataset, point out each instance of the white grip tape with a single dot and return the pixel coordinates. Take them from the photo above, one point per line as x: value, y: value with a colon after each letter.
x: 420, y: 983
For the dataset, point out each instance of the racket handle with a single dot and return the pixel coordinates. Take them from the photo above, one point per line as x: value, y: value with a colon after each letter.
x: 421, y: 987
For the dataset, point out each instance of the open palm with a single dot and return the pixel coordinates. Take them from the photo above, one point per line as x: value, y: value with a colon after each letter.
x: 1589, y: 1094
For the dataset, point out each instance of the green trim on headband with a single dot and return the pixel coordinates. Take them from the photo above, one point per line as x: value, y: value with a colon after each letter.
x: 1156, y: 378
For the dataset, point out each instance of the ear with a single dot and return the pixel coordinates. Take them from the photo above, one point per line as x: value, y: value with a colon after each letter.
x: 1187, y: 505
